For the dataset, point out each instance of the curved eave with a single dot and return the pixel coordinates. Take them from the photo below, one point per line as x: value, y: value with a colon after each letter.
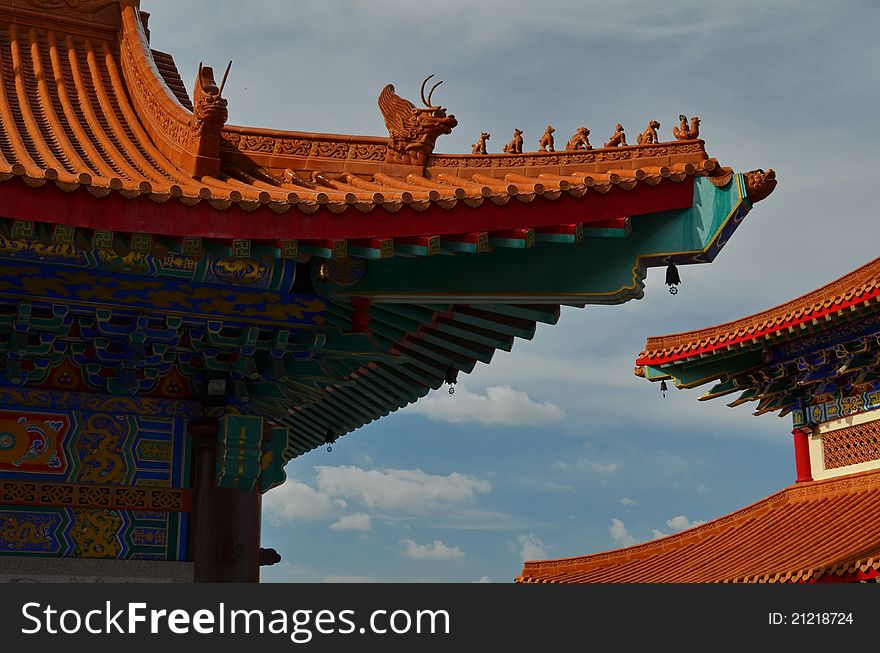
x: 852, y: 291
x: 807, y: 532
x: 138, y: 212
x: 92, y: 110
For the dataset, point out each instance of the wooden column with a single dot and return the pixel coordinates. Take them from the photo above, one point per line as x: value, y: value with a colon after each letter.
x: 802, y: 454
x: 224, y: 531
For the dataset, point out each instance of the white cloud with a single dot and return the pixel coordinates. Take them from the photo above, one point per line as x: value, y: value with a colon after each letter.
x: 677, y: 523
x: 601, y: 468
x: 352, y: 579
x: 483, y: 579
x: 629, y: 503
x: 588, y: 465
x: 410, y: 490
x: 287, y: 572
x: 619, y: 535
x: 436, y: 551
x: 357, y: 522
x: 681, y: 523
x: 296, y: 501
x: 531, y: 548
x: 500, y: 405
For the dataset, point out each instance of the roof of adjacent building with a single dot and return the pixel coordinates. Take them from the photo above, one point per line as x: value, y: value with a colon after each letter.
x: 859, y: 287
x: 806, y: 532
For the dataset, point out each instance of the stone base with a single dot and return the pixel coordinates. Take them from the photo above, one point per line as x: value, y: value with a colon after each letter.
x: 19, y: 569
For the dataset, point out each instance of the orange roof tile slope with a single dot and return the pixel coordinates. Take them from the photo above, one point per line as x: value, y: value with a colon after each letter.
x: 85, y: 102
x: 800, y: 534
x: 857, y: 288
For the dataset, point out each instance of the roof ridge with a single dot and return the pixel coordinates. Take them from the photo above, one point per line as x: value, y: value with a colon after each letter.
x: 69, y: 15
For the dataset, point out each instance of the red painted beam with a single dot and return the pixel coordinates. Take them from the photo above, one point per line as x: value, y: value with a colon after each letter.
x: 79, y: 208
x: 803, y: 316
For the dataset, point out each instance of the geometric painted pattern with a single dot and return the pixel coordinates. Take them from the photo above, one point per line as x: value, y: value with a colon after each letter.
x: 95, y: 484
x: 92, y: 448
x: 78, y: 533
x: 33, y: 443
x: 851, y: 445
x: 124, y: 497
x: 825, y: 408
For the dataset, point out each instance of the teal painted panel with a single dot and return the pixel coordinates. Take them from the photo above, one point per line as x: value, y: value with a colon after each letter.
x: 596, y: 270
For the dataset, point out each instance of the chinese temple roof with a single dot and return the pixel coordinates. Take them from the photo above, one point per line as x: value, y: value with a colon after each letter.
x: 147, y: 247
x: 85, y: 103
x: 791, y: 358
x: 805, y: 533
x: 844, y: 296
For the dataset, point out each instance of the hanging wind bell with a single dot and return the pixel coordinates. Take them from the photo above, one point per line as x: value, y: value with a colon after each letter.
x: 329, y: 439
x: 672, y: 279
x: 451, y: 379
x: 663, y: 388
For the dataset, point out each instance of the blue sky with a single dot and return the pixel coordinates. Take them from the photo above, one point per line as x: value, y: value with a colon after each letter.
x: 556, y: 449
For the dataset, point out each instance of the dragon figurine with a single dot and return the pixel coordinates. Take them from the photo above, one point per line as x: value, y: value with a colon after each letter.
x: 210, y: 109
x: 413, y: 131
x: 210, y: 112
x: 759, y: 184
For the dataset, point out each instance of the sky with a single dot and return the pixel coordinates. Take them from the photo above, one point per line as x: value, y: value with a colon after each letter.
x: 556, y: 449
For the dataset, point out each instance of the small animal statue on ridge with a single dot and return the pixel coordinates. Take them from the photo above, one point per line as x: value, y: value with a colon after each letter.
x: 547, y: 140
x: 618, y: 138
x: 650, y: 134
x: 515, y: 146
x: 685, y: 133
x: 480, y: 146
x: 580, y: 140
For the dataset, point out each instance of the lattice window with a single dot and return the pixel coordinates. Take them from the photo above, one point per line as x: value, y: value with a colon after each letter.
x: 851, y: 445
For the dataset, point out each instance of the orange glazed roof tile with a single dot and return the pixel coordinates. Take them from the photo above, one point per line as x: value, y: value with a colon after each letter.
x: 85, y: 102
x: 805, y: 532
x: 853, y: 290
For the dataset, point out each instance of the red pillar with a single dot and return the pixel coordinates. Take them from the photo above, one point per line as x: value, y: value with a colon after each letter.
x: 802, y: 454
x: 224, y: 531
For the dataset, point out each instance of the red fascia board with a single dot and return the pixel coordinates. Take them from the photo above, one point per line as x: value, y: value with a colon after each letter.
x: 809, y: 317
x: 851, y: 577
x: 79, y: 208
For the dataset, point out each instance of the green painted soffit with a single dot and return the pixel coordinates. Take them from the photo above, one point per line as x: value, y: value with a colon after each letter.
x: 692, y: 373
x: 596, y: 270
